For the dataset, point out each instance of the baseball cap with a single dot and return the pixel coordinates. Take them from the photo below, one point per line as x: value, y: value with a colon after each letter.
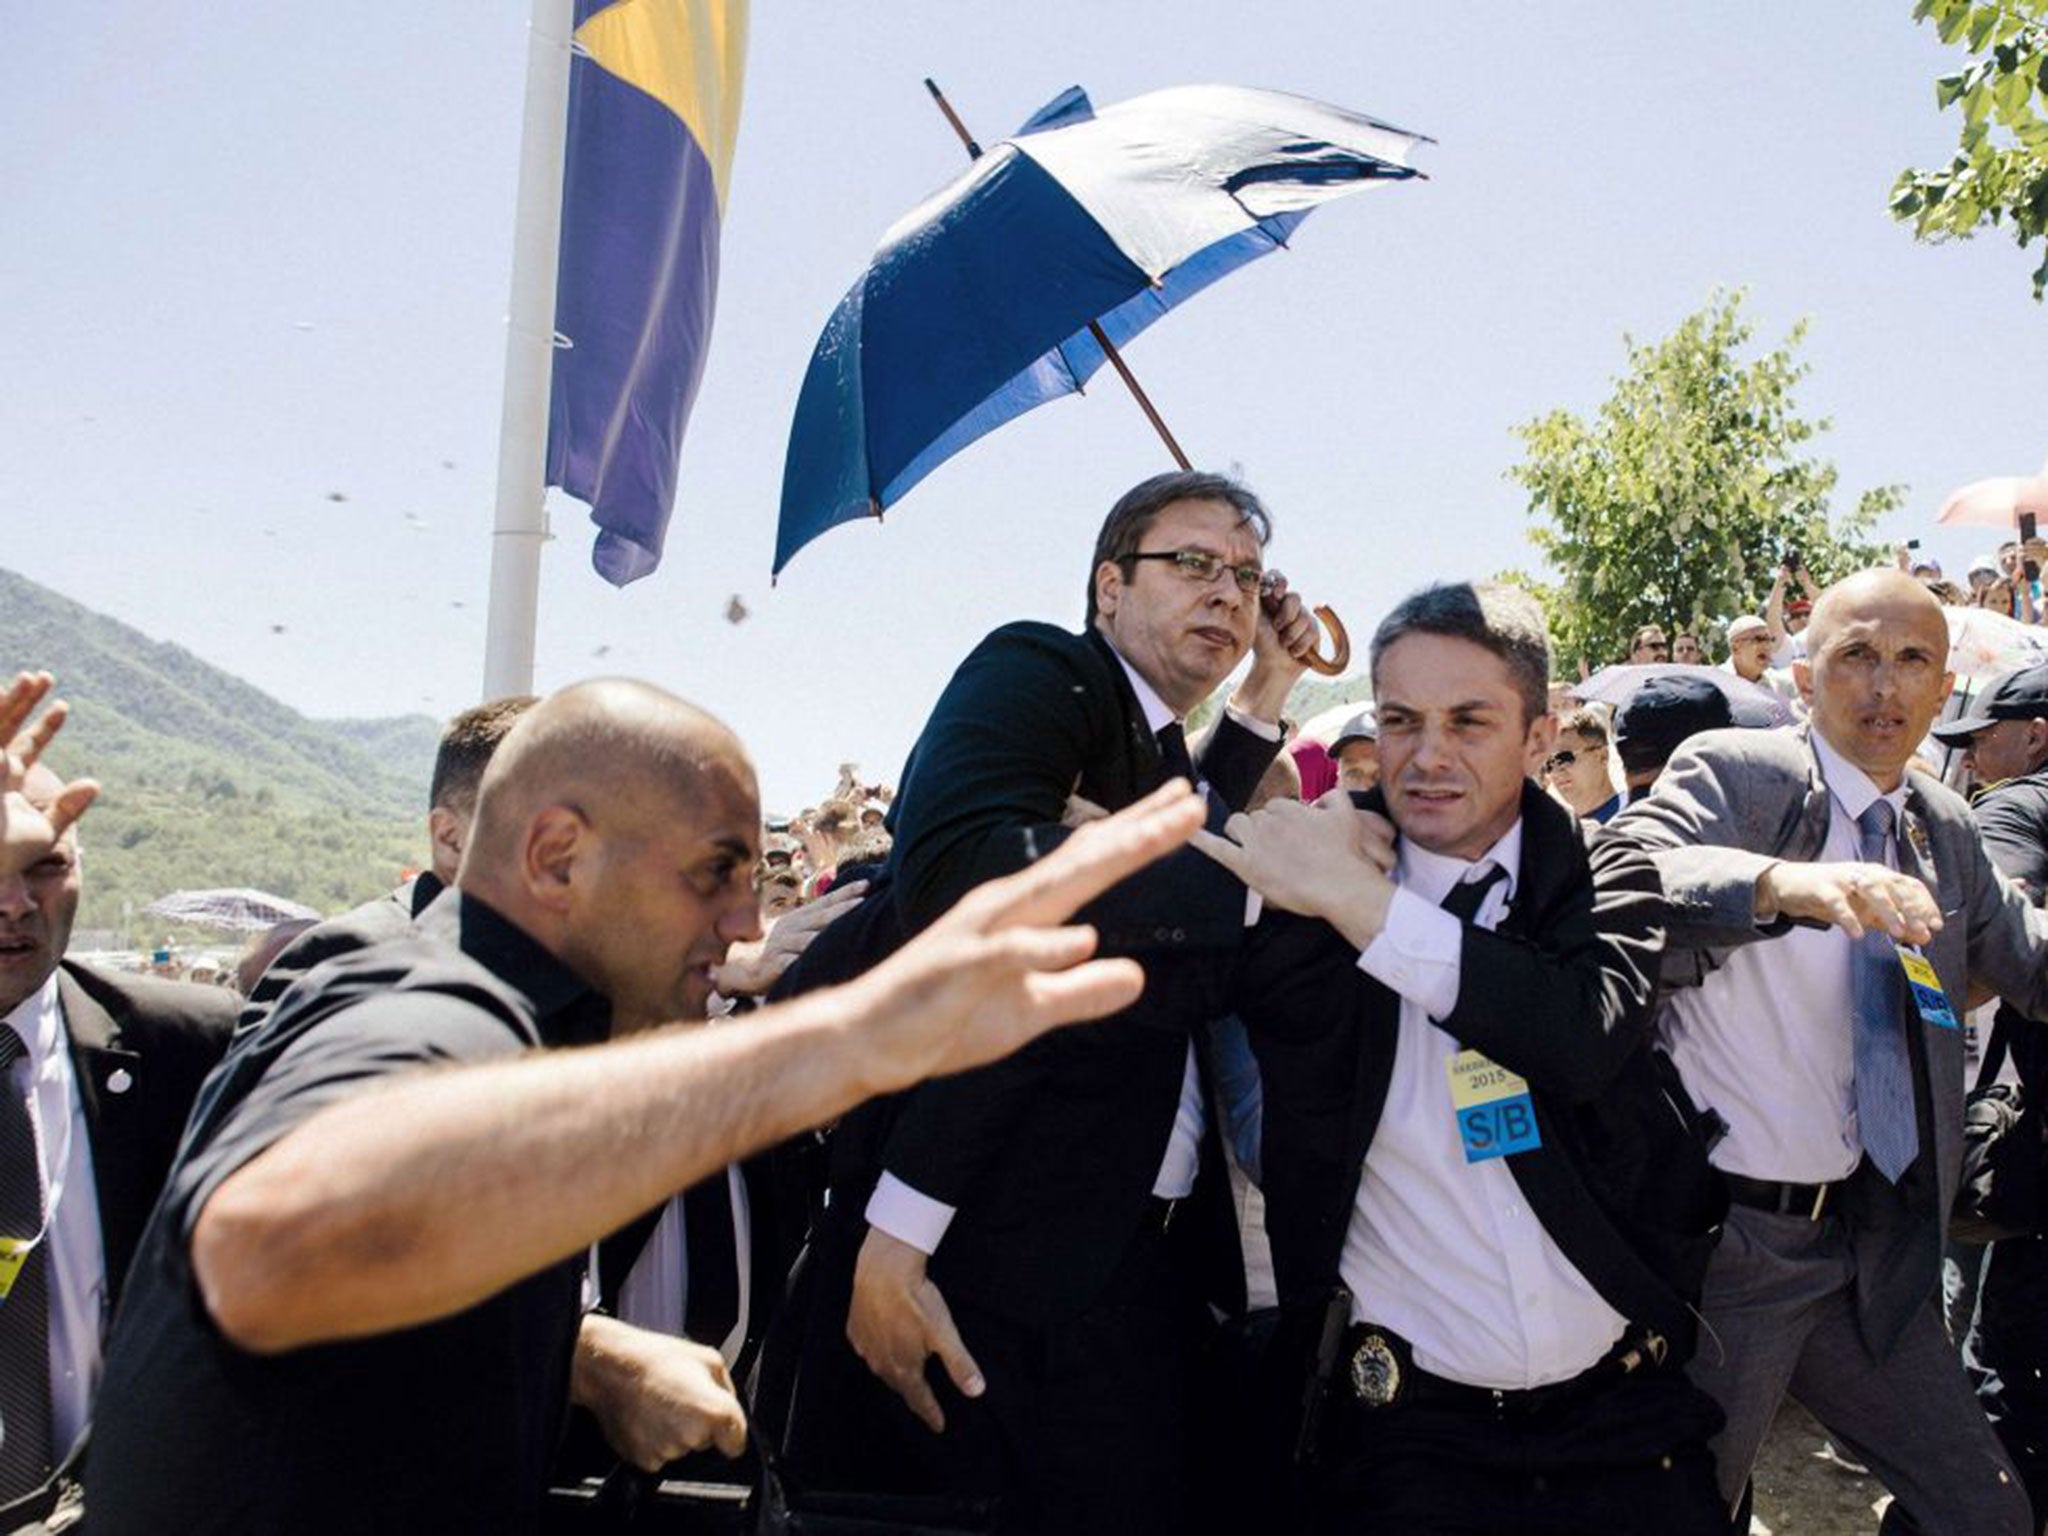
x: 1661, y: 714
x: 1748, y: 624
x: 1363, y: 726
x: 1988, y: 564
x: 2021, y: 694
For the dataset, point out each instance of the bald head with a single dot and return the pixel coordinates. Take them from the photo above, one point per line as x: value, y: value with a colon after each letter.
x: 621, y: 752
x: 1876, y: 670
x: 1891, y: 595
x: 620, y: 827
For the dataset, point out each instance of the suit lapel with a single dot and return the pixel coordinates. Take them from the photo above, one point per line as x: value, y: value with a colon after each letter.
x: 110, y: 1086
x: 1143, y: 769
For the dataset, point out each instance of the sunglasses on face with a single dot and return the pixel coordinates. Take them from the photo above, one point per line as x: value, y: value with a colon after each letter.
x: 1201, y: 566
x: 1563, y: 759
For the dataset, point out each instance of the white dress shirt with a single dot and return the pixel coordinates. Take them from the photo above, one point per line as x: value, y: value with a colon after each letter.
x: 1766, y: 1039
x: 1444, y: 1252
x: 656, y: 1292
x: 78, y: 1265
x: 911, y: 1216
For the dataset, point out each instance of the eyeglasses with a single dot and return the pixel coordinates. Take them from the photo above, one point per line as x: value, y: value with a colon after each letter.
x: 1200, y: 565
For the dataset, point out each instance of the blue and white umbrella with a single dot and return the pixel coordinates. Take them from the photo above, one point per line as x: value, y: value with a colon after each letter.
x: 977, y: 304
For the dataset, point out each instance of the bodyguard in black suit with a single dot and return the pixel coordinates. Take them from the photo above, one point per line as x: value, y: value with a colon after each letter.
x: 1489, y: 1207
x: 99, y: 1071
x: 1008, y: 1251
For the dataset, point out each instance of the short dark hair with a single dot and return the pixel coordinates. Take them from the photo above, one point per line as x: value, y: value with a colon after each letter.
x: 1492, y: 615
x: 1139, y: 507
x: 1584, y: 721
x: 467, y: 744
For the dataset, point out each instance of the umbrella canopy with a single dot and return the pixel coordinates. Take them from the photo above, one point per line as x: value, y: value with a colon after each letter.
x: 1998, y: 502
x: 1983, y: 643
x: 235, y: 911
x: 1752, y: 703
x: 975, y: 307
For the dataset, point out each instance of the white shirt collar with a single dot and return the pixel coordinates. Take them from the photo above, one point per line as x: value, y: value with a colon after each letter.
x: 39, y: 1020
x: 1431, y: 875
x: 1850, y: 785
x: 1157, y: 715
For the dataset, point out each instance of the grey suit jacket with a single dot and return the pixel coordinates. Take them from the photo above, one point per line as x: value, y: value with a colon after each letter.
x: 1733, y: 802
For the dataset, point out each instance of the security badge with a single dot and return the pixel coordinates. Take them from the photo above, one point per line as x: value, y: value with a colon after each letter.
x: 14, y: 1252
x: 1492, y: 1107
x: 1927, y: 994
x: 1375, y: 1371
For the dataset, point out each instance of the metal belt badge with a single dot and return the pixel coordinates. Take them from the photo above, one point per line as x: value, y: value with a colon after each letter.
x: 1375, y: 1372
x: 1927, y: 994
x: 1495, y: 1117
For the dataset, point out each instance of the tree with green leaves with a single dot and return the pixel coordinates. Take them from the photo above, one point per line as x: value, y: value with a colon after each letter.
x: 2000, y: 169
x: 1677, y: 502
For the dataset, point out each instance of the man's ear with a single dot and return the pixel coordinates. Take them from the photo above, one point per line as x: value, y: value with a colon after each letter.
x: 1802, y: 678
x: 447, y: 832
x: 1541, y: 740
x: 557, y: 839
x: 1109, y: 588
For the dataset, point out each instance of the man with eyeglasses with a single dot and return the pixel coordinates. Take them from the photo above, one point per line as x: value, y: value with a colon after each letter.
x: 1649, y: 647
x: 1038, y: 1230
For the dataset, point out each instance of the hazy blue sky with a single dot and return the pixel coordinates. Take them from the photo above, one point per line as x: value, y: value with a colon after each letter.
x: 256, y: 258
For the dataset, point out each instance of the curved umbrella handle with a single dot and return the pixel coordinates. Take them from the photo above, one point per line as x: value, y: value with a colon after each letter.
x: 1340, y: 644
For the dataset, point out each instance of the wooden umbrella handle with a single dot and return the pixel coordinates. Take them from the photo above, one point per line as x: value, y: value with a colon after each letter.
x: 1340, y: 644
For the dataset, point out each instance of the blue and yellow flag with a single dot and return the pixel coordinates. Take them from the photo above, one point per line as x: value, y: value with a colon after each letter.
x: 654, y: 108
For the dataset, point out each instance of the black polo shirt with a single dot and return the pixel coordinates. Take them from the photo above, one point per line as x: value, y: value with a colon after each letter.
x: 447, y: 1426
x: 2013, y: 818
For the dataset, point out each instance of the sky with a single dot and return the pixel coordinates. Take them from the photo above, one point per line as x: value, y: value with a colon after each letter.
x: 255, y: 275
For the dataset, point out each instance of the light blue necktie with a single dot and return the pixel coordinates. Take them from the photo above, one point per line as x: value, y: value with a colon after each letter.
x: 1884, y: 1077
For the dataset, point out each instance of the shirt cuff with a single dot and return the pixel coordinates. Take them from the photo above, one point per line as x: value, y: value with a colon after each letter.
x: 1254, y: 904
x: 1265, y: 730
x: 1417, y: 954
x: 908, y: 1216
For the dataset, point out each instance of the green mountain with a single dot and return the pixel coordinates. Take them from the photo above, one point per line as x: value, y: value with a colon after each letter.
x: 207, y: 781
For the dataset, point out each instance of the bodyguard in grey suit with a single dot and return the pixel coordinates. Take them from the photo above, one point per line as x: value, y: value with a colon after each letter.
x: 1803, y: 870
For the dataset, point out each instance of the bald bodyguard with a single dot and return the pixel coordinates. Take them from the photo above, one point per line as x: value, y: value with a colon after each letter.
x: 356, y: 1305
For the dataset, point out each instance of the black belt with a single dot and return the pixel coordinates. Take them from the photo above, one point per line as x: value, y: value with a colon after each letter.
x: 1376, y: 1369
x: 1812, y: 1201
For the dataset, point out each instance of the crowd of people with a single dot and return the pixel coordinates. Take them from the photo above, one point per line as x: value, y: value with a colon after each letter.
x: 1479, y: 1121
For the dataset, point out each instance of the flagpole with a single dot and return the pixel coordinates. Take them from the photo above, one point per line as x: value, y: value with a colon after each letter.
x: 521, y: 525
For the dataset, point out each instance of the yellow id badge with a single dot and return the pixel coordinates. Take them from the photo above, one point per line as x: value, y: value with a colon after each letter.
x: 1927, y: 994
x: 14, y: 1252
x: 1495, y: 1117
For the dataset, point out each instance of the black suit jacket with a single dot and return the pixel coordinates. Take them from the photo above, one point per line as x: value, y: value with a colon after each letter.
x: 140, y: 1047
x: 374, y: 922
x: 1050, y: 1155
x: 1561, y: 994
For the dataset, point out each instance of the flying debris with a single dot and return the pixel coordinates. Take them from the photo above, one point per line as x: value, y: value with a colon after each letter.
x: 277, y: 629
x: 735, y: 610
x: 447, y: 463
x: 601, y: 652
x: 336, y: 496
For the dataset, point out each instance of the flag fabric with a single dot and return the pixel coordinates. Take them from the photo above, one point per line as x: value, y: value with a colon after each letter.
x: 654, y: 104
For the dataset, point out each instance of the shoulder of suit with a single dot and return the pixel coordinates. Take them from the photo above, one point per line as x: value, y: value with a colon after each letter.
x: 132, y: 999
x: 1936, y: 796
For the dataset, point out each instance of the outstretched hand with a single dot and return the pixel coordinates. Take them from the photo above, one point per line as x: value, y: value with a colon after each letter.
x: 1329, y: 860
x: 29, y: 831
x: 753, y: 966
x: 997, y: 970
x: 1855, y: 898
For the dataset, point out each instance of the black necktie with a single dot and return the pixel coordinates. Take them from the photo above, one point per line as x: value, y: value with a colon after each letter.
x: 25, y: 1459
x: 1468, y: 896
x: 712, y: 1302
x: 1173, y: 751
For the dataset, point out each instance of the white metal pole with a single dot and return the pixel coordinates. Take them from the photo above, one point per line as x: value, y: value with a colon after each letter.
x: 521, y: 525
